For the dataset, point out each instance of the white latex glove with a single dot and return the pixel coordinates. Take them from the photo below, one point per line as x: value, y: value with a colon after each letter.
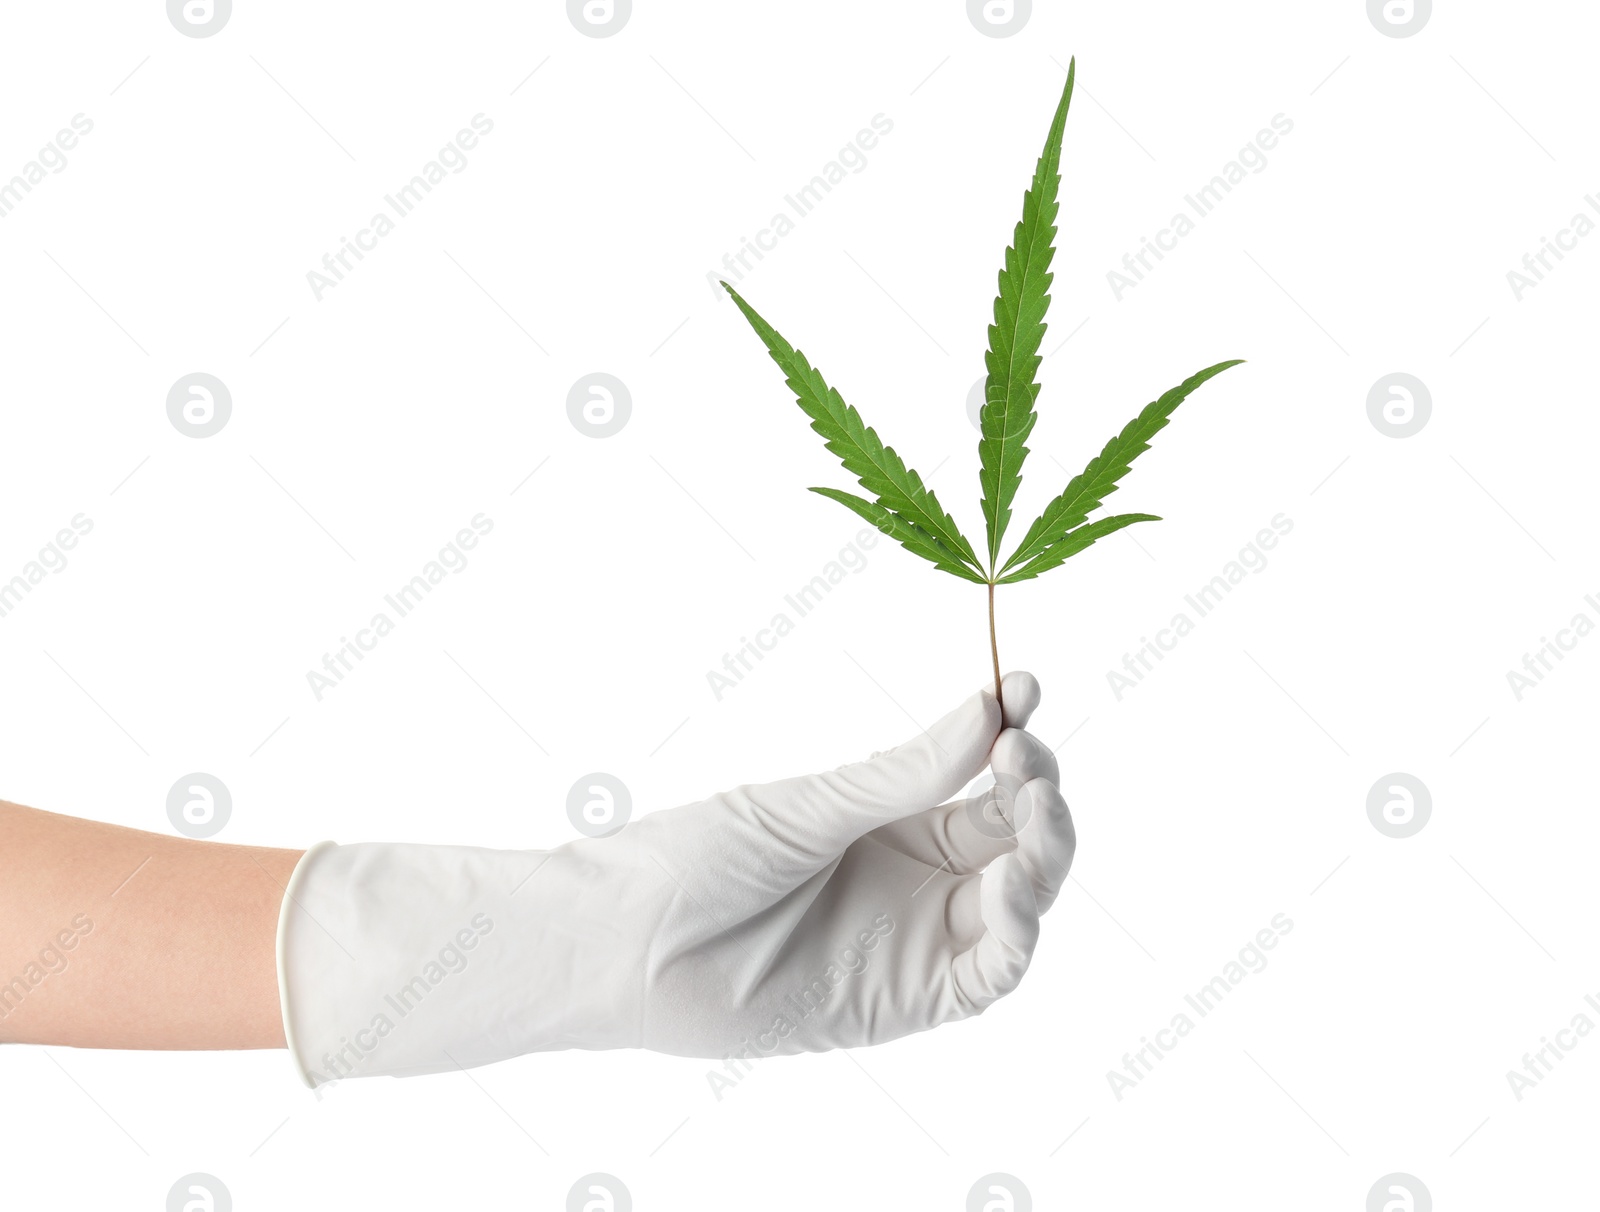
x: 827, y: 911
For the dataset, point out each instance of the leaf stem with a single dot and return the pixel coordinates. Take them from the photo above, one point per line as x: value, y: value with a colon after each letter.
x: 994, y: 647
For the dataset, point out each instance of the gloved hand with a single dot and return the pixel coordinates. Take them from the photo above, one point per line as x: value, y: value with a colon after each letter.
x: 826, y: 911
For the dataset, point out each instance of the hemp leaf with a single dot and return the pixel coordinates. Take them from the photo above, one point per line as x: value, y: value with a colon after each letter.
x: 1007, y: 417
x: 930, y: 531
x: 903, y: 507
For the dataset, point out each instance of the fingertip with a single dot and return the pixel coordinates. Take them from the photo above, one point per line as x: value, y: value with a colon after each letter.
x: 1010, y: 748
x: 1007, y: 903
x: 994, y: 965
x: 1048, y: 840
x: 1019, y: 692
x: 1022, y: 757
x: 1048, y: 806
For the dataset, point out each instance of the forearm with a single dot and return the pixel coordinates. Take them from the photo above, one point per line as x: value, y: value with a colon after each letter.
x: 116, y: 938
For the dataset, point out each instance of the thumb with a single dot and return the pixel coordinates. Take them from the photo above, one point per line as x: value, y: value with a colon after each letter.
x: 824, y: 813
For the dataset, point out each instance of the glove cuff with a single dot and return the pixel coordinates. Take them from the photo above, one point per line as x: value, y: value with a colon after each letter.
x: 401, y: 959
x: 290, y: 896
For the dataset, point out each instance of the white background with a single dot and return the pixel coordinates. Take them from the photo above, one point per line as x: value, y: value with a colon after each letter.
x: 1231, y: 785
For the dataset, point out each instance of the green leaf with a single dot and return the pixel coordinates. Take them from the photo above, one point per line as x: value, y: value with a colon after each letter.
x: 1074, y: 541
x: 1099, y: 479
x: 910, y: 536
x: 1013, y: 358
x: 898, y: 488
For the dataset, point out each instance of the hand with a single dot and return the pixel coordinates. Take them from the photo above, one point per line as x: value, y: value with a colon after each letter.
x: 831, y: 910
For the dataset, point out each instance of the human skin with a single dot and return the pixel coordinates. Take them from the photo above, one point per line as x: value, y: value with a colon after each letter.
x: 117, y: 938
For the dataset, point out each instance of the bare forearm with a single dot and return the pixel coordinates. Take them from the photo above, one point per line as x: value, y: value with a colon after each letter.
x: 115, y: 938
